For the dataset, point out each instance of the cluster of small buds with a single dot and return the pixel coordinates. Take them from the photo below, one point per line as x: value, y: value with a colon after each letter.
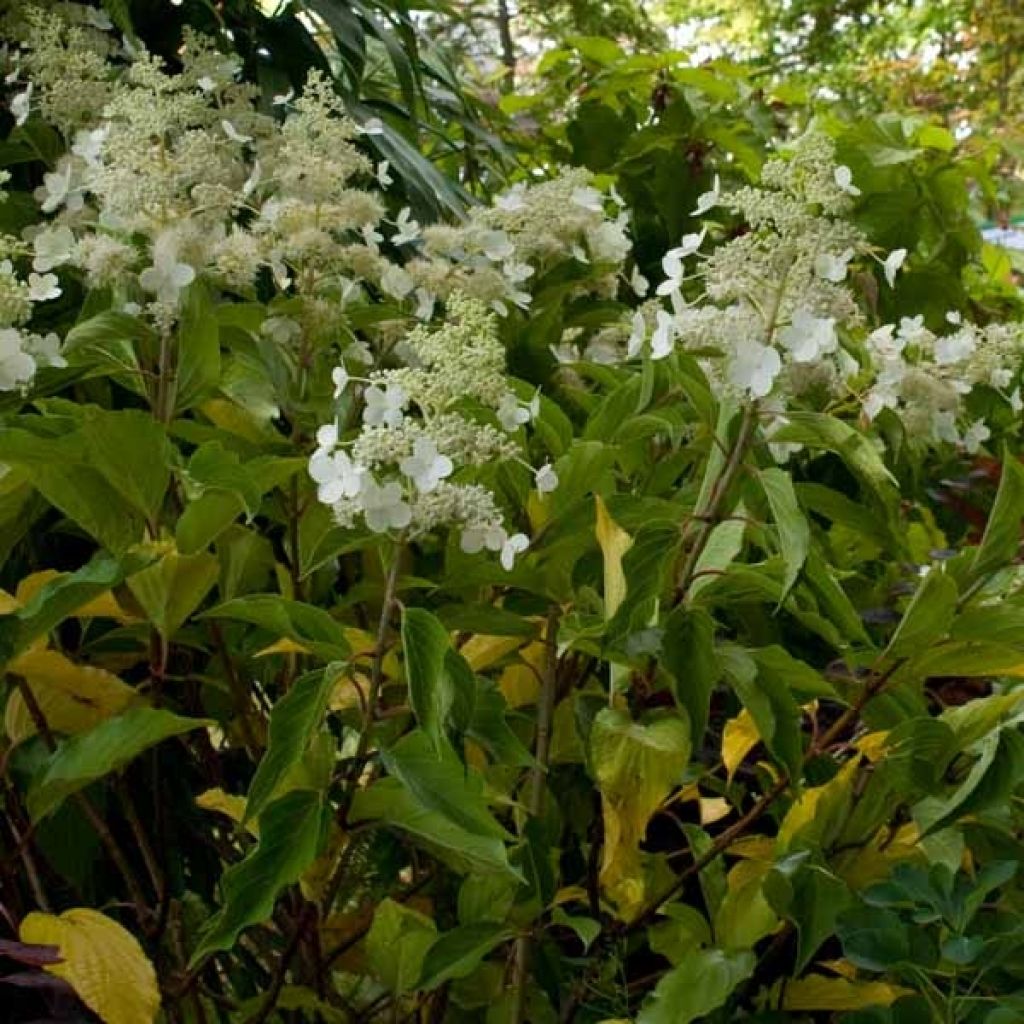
x: 424, y: 429
x: 925, y: 376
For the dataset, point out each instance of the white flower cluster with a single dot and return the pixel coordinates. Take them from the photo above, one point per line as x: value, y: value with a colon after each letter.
x: 771, y: 318
x: 22, y: 351
x: 173, y: 177
x: 770, y: 303
x: 924, y: 377
x: 425, y: 426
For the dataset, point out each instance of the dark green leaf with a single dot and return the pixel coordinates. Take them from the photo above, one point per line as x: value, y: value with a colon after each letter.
x: 106, y: 748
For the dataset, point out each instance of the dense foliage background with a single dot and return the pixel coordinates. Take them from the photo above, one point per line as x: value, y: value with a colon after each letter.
x: 511, y: 512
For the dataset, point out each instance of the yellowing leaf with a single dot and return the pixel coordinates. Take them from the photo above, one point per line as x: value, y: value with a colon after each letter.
x: 520, y: 683
x: 872, y: 745
x: 876, y: 859
x: 744, y: 916
x: 32, y: 584
x: 283, y: 646
x: 637, y: 765
x: 228, y: 804
x: 73, y: 698
x: 101, y: 606
x: 482, y: 651
x: 713, y: 809
x: 566, y: 746
x: 102, y: 962
x: 841, y: 967
x: 816, y: 992
x: 105, y: 606
x: 754, y: 848
x: 570, y: 894
x: 537, y: 511
x: 615, y: 542
x: 347, y: 691
x: 816, y: 808
x: 739, y: 738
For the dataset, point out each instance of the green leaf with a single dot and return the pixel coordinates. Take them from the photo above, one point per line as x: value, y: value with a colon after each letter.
x: 55, y: 601
x: 198, y: 348
x: 489, y: 727
x: 205, y: 519
x: 720, y: 551
x: 108, y: 341
x: 1001, y: 540
x: 396, y: 944
x: 439, y: 781
x: 928, y: 616
x: 776, y: 714
x: 294, y: 721
x: 304, y: 623
x: 646, y: 565
x: 171, y: 590
x: 818, y: 430
x: 794, y: 531
x: 873, y: 938
x: 131, y: 450
x: 56, y: 467
x: 697, y: 986
x: 811, y: 897
x: 995, y: 774
x: 91, y: 755
x: 426, y: 645
x: 688, y: 654
x: 290, y: 830
x: 458, y: 953
x: 389, y: 802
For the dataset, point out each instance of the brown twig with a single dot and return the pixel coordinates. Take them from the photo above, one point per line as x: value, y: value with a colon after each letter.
x: 281, y: 973
x: 535, y: 797
x: 369, y: 716
x: 106, y: 837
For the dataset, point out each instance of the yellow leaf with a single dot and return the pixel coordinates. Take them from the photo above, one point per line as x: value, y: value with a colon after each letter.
x: 520, y: 682
x: 348, y: 691
x: 105, y: 606
x: 102, y: 962
x: 841, y: 967
x: 361, y: 642
x: 754, y: 848
x: 32, y: 584
x: 615, y: 542
x: 8, y: 604
x: 537, y: 511
x: 566, y: 746
x: 636, y: 766
x: 73, y: 698
x: 874, y: 861
x: 744, y: 916
x: 283, y: 646
x: 228, y: 804
x: 713, y: 809
x: 872, y: 745
x: 739, y: 738
x: 816, y: 809
x: 570, y: 894
x: 482, y: 651
x: 816, y: 992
